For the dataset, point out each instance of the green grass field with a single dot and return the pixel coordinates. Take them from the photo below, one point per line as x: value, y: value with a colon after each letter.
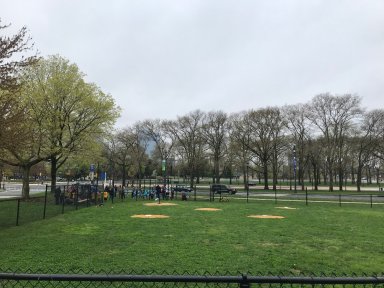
x: 320, y: 238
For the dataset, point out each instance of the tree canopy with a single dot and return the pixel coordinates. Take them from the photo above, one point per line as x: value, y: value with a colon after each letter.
x: 65, y: 114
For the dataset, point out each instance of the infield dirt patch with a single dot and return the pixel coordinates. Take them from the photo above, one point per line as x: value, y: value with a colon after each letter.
x: 149, y: 216
x: 266, y: 216
x: 208, y: 209
x: 161, y: 204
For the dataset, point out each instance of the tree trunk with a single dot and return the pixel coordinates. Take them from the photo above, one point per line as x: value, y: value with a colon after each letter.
x: 353, y: 174
x: 25, y: 190
x: 53, y: 173
x: 369, y: 176
x: 341, y: 179
x: 316, y: 175
x: 265, y: 170
x: 331, y: 172
x: 330, y: 178
x: 274, y: 172
x: 216, y: 170
x: 124, y: 171
x: 358, y: 177
x: 245, y: 175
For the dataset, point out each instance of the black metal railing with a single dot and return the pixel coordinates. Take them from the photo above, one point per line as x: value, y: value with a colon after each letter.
x: 128, y: 280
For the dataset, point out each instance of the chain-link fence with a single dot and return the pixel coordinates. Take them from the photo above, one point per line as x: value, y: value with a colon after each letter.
x: 176, y: 190
x: 134, y: 279
x: 64, y: 198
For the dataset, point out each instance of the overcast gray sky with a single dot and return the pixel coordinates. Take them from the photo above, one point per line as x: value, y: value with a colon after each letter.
x: 163, y: 58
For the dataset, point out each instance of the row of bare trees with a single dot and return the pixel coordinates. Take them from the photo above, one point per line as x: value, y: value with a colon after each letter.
x: 331, y: 138
x: 49, y: 113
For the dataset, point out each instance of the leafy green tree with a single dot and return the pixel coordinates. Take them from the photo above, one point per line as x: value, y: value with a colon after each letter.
x: 13, y: 58
x: 65, y: 115
x: 31, y: 147
x: 76, y: 113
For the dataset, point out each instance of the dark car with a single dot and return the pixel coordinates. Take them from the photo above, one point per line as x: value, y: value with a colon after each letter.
x: 222, y: 188
x: 181, y: 188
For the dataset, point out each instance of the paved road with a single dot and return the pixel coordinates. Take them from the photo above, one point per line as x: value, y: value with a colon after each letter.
x: 312, y: 196
x: 13, y: 190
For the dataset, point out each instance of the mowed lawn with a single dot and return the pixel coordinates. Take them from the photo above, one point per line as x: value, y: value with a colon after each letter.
x: 319, y: 238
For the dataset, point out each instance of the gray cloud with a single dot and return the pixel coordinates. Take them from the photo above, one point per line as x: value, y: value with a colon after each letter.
x: 160, y: 59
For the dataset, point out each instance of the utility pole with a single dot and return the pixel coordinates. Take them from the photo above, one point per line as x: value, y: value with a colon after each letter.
x: 294, y: 166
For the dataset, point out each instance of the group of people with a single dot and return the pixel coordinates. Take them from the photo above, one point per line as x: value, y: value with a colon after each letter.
x: 110, y: 192
x: 163, y: 192
x: 156, y: 192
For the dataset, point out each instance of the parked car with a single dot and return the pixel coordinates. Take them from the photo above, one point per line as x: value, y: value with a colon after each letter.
x: 182, y: 188
x: 252, y: 183
x: 222, y: 188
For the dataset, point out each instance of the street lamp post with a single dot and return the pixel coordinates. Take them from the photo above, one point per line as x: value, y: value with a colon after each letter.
x: 163, y: 168
x: 294, y: 166
x: 247, y: 183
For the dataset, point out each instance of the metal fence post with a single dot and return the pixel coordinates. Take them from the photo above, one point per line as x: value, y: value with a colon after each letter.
x: 18, y: 212
x: 76, y: 198
x: 65, y: 190
x: 244, y: 282
x: 45, y: 201
x: 306, y: 196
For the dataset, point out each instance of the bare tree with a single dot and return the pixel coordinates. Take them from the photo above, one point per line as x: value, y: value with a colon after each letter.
x: 123, y: 155
x: 264, y: 129
x: 334, y: 117
x: 10, y: 64
x: 110, y: 152
x: 315, y: 155
x: 239, y: 142
x: 368, y: 140
x: 186, y: 133
x: 138, y: 149
x: 298, y: 125
x: 214, y: 132
x: 155, y: 130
